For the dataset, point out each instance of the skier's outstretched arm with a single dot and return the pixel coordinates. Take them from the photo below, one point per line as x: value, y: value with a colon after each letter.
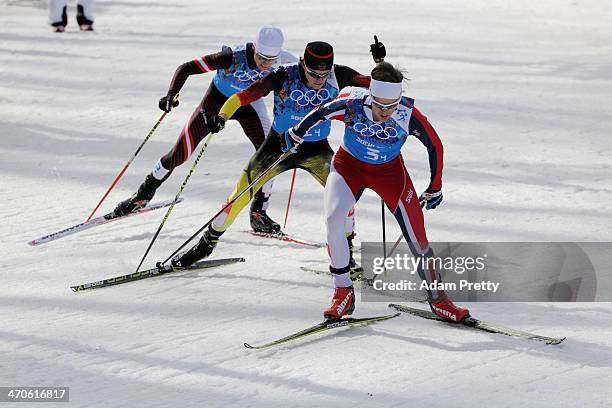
x: 420, y: 127
x: 329, y: 111
x: 258, y: 89
x: 207, y: 63
x: 347, y: 76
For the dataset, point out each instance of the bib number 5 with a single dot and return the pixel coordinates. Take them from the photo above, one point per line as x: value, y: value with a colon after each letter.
x: 373, y: 154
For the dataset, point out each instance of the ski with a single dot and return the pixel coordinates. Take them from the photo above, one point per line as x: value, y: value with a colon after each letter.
x: 281, y: 236
x: 103, y: 219
x: 157, y: 271
x: 324, y: 326
x: 479, y: 325
x: 355, y: 274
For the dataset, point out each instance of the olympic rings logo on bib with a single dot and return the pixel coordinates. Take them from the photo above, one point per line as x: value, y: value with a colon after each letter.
x: 383, y: 133
x: 244, y: 76
x: 310, y: 97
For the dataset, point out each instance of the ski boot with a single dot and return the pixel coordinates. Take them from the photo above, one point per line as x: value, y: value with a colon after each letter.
x: 446, y: 309
x: 201, y: 250
x: 343, y: 303
x: 356, y: 270
x: 60, y: 26
x: 84, y: 23
x: 140, y: 199
x: 260, y: 221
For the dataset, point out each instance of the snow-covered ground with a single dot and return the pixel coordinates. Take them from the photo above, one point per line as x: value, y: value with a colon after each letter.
x: 520, y: 93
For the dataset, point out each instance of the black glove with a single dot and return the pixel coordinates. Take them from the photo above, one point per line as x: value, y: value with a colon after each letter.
x: 166, y: 103
x: 431, y: 198
x: 290, y: 141
x: 215, y: 123
x: 378, y: 50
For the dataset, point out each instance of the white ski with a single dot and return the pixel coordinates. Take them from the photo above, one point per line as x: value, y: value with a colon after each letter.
x: 103, y: 219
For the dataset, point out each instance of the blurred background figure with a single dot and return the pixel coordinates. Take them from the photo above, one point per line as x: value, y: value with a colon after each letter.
x: 58, y: 17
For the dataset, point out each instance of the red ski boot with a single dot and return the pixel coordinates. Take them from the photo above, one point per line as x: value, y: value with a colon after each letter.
x: 343, y: 303
x: 448, y: 310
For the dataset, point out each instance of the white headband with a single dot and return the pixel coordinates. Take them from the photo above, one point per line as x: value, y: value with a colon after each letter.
x: 386, y: 90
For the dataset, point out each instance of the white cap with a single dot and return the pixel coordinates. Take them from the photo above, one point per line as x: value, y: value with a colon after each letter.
x: 269, y: 41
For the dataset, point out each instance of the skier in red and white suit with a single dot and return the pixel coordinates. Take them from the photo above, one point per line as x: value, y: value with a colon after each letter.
x: 377, y: 123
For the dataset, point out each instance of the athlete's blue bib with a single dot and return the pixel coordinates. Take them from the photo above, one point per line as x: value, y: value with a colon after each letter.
x: 372, y: 142
x: 238, y: 76
x: 296, y: 99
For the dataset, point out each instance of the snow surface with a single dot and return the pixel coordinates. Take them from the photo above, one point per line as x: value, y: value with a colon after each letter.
x: 520, y: 93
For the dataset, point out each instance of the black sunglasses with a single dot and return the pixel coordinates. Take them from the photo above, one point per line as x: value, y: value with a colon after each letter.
x: 316, y: 74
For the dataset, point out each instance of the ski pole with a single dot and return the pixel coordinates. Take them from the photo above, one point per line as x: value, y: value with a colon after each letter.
x: 384, y: 235
x: 394, y: 247
x: 289, y: 199
x: 208, y: 139
x: 247, y: 188
x: 130, y: 160
x: 384, y: 232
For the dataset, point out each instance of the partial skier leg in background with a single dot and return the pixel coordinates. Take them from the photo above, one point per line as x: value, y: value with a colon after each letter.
x: 57, y: 15
x: 255, y: 123
x: 85, y: 14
